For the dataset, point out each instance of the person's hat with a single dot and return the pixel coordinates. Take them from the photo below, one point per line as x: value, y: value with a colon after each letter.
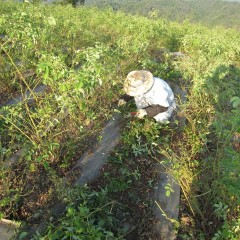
x: 138, y: 82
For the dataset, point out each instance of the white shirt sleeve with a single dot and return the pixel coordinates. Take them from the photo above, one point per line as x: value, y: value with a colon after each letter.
x: 164, y: 116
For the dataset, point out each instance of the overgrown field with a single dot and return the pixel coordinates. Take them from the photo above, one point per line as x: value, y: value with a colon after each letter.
x: 207, y: 12
x: 82, y: 56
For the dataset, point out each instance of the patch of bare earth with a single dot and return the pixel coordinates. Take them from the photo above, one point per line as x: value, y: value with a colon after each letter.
x: 137, y: 197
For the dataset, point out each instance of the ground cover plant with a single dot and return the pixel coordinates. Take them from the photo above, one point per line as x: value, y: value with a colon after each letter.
x: 82, y: 56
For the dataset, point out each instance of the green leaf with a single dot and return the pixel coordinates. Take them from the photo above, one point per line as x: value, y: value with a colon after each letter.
x: 168, y: 193
x: 28, y: 157
x: 22, y: 235
x: 236, y: 104
x: 46, y: 165
x: 51, y: 21
x: 109, y: 234
x: 32, y: 167
x: 234, y: 99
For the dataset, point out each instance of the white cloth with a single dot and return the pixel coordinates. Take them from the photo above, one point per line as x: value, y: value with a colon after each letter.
x: 160, y: 94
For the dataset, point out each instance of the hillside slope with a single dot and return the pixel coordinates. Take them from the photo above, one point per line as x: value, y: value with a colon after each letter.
x: 209, y: 12
x: 82, y: 56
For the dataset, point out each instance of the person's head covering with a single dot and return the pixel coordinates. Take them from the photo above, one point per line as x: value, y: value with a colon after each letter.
x: 138, y: 82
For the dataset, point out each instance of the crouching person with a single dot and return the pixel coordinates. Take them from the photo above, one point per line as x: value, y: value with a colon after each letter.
x: 152, y: 95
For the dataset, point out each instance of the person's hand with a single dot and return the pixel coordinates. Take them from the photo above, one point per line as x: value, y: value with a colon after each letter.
x: 121, y: 102
x: 141, y: 113
x: 124, y: 99
x: 129, y: 115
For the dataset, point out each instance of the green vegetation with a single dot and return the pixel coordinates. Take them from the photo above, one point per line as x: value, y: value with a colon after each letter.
x: 83, y: 55
x: 208, y: 12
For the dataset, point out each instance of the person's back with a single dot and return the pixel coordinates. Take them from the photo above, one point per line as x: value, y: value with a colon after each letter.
x: 159, y: 94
